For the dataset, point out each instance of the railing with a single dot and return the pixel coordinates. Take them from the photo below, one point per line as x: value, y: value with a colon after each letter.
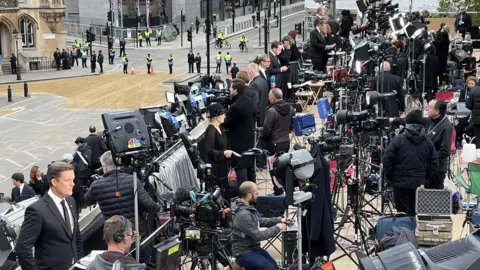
x: 36, y: 63
x: 8, y: 3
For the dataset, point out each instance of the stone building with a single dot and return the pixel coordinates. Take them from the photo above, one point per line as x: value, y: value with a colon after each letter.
x: 39, y: 26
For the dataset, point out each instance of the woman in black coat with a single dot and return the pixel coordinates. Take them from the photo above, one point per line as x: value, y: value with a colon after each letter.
x: 216, y: 148
x: 38, y: 181
x: 295, y: 52
x: 442, y: 43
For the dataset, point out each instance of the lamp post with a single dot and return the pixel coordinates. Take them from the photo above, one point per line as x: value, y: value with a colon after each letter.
x: 17, y: 36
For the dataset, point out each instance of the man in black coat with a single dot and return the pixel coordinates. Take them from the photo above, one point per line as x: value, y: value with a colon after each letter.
x: 346, y: 23
x: 58, y: 57
x: 276, y: 69
x: 439, y: 130
x: 98, y: 146
x: 260, y: 84
x: 21, y: 191
x: 50, y: 226
x: 93, y: 61
x: 409, y: 160
x: 442, y: 45
x: 240, y: 124
x: 318, y: 46
x: 115, y: 195
x: 198, y: 62
x: 385, y: 82
x: 191, y: 61
x: 463, y: 21
x: 432, y: 69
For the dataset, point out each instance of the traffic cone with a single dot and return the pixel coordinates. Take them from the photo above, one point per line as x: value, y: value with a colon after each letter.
x: 132, y: 71
x: 151, y: 70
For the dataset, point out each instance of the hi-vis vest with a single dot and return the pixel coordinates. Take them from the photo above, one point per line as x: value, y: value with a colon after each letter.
x: 125, y: 60
x: 77, y: 44
x: 86, y: 44
x: 170, y: 60
x: 139, y: 36
x: 218, y: 59
x: 84, y: 54
x: 147, y: 34
x: 159, y: 33
x: 149, y: 60
x: 74, y: 51
x: 228, y: 58
x: 112, y: 52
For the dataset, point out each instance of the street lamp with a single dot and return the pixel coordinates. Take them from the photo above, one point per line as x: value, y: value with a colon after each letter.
x: 17, y: 36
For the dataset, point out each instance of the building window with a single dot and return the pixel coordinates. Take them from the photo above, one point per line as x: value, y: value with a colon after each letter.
x: 203, y: 9
x: 27, y: 29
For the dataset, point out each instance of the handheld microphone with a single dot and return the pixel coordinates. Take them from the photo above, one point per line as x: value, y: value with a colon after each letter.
x: 272, y: 79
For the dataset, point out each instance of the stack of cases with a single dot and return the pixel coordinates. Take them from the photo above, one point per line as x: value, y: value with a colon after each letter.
x: 434, y: 220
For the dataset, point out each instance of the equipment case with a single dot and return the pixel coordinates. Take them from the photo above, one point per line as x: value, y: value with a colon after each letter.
x: 434, y: 221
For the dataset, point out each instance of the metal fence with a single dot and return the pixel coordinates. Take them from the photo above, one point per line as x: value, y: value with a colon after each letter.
x: 41, y: 63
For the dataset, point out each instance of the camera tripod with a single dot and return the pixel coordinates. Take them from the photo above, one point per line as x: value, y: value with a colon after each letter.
x: 208, y: 252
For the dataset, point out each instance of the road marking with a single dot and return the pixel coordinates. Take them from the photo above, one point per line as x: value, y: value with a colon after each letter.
x: 30, y: 154
x: 13, y: 162
x: 16, y: 103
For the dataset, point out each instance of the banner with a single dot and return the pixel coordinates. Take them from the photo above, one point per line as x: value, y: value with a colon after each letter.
x: 148, y: 13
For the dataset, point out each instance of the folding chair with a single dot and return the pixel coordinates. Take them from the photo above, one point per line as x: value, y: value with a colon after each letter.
x: 471, y: 186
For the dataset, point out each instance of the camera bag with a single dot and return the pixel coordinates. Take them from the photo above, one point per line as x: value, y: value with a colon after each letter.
x: 386, y: 224
x: 434, y: 221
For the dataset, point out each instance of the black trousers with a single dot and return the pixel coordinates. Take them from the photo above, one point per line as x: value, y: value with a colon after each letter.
x: 140, y: 42
x: 218, y: 68
x: 198, y: 67
x: 84, y: 63
x: 101, y: 67
x: 404, y: 200
x: 93, y: 65
x: 125, y: 69
x: 111, y: 59
x: 190, y: 68
x: 148, y: 42
x: 273, y: 149
x: 122, y: 52
x: 436, y: 181
x: 148, y: 69
x: 228, y: 67
x: 196, y: 28
x: 170, y: 68
x: 57, y: 62
x: 246, y: 174
x: 74, y: 60
x: 476, y: 129
x: 14, y: 69
x: 430, y: 93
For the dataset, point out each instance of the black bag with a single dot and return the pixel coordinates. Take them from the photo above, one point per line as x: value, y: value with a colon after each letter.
x: 397, y: 237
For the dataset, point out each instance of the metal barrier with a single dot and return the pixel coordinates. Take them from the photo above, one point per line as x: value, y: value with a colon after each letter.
x: 41, y: 63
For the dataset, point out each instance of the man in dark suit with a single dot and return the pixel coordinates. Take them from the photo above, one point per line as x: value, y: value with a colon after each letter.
x: 239, y: 122
x: 318, y: 45
x: 261, y: 86
x: 386, y: 82
x: 98, y: 146
x: 275, y: 69
x: 50, y: 225
x: 21, y: 191
x: 263, y: 65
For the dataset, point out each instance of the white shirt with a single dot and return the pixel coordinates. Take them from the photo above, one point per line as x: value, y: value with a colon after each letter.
x: 21, y: 188
x: 58, y: 202
x: 263, y: 72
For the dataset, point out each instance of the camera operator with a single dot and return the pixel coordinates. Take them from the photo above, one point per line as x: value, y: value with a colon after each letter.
x: 439, y: 131
x: 386, y: 82
x: 114, y: 194
x: 240, y: 123
x: 119, y: 236
x: 409, y: 160
x: 473, y: 104
x: 246, y: 236
x: 346, y: 23
x: 463, y: 21
x: 278, y: 124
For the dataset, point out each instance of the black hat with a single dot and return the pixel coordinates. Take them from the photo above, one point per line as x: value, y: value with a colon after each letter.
x: 415, y: 117
x: 18, y: 177
x: 216, y: 109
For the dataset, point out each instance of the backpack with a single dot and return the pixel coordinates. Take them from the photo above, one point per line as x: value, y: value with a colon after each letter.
x: 397, y: 237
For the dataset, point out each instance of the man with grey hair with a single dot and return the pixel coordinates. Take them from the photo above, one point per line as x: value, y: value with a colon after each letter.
x: 119, y: 236
x: 386, y: 82
x: 114, y: 194
x: 277, y: 126
x: 259, y: 84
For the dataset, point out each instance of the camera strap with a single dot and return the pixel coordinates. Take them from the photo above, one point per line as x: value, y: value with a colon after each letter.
x: 433, y: 129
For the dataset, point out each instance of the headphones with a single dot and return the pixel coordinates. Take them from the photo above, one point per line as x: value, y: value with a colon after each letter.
x: 120, y: 235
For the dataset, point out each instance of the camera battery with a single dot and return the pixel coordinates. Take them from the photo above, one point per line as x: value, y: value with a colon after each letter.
x: 304, y: 124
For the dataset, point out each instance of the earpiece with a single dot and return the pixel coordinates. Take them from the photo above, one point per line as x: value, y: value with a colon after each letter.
x: 120, y: 235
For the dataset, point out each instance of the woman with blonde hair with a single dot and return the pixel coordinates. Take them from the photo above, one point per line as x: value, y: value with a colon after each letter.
x: 38, y: 181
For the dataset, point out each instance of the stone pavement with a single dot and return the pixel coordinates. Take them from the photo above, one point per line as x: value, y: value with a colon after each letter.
x: 45, y: 75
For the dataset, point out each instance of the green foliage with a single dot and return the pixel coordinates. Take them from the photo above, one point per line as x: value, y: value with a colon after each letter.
x: 445, y: 6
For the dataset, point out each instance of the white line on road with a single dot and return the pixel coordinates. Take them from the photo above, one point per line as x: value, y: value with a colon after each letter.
x: 13, y: 162
x: 30, y: 154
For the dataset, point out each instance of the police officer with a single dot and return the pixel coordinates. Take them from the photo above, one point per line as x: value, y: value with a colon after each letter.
x: 111, y: 56
x: 148, y: 32
x: 159, y: 36
x: 228, y: 61
x: 93, y: 61
x: 198, y: 62
x: 170, y: 63
x: 149, y: 63
x: 74, y: 54
x: 218, y: 60
x: 122, y: 47
x: 58, y: 57
x: 76, y: 44
x: 86, y: 46
x: 125, y: 64
x: 139, y: 37
x: 191, y: 60
x: 84, y: 58
x: 100, y: 61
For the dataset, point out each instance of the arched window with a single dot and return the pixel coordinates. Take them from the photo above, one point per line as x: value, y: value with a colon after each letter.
x: 27, y: 29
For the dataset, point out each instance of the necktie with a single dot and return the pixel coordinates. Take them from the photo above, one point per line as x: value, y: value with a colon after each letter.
x: 66, y: 215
